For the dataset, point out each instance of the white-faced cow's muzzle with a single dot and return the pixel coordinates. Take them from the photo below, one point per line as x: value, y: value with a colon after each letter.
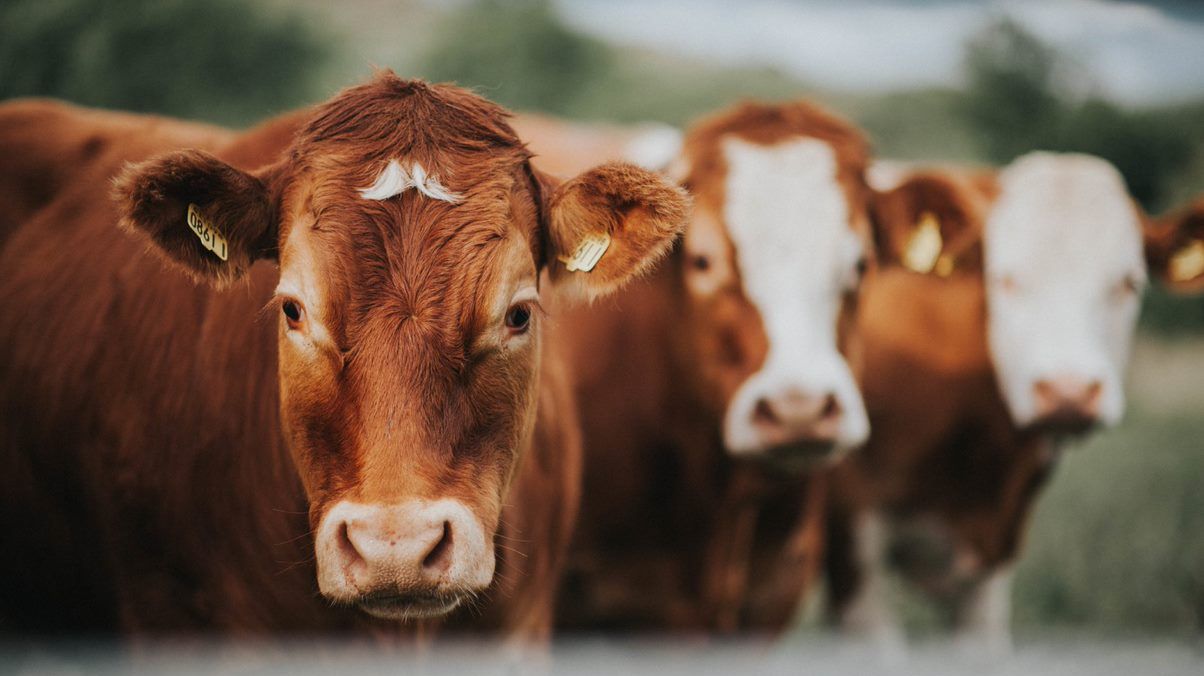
x: 810, y: 409
x: 406, y: 560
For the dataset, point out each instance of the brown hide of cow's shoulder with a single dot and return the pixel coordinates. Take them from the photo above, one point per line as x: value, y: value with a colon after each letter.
x: 942, y: 447
x: 144, y: 483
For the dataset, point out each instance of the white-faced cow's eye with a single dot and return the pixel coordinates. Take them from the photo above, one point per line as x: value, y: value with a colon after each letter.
x: 700, y: 262
x: 518, y: 318
x: 1130, y: 285
x: 1007, y: 283
x: 294, y: 313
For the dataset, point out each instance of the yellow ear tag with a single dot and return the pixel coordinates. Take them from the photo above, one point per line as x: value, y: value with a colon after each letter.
x: 1188, y: 262
x: 944, y: 266
x: 208, y: 235
x: 923, y: 248
x: 588, y: 252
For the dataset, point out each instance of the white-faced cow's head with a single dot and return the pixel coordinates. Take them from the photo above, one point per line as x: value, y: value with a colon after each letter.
x: 771, y: 263
x: 1064, y: 271
x: 411, y: 233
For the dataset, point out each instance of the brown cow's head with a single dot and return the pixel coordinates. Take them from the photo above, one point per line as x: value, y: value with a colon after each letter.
x: 771, y: 264
x: 410, y: 232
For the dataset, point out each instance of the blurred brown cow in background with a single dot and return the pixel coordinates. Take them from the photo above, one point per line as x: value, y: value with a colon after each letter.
x: 360, y: 371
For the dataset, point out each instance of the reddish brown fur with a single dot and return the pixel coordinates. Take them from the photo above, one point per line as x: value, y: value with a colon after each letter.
x: 146, y: 466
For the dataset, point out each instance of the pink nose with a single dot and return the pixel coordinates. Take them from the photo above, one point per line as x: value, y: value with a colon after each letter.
x: 414, y: 559
x: 414, y: 553
x: 791, y: 416
x: 1068, y: 397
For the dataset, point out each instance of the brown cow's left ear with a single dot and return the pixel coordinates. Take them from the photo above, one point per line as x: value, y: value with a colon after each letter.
x: 207, y: 217
x: 1174, y: 249
x: 608, y: 225
x: 931, y: 223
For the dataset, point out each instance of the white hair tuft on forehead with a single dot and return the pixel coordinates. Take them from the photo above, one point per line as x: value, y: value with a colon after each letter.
x: 395, y: 180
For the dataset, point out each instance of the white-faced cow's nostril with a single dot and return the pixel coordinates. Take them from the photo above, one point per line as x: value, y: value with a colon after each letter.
x: 763, y: 413
x: 831, y: 410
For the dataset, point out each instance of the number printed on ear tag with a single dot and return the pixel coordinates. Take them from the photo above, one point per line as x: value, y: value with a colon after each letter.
x: 923, y: 248
x: 1188, y: 262
x: 209, y: 236
x: 588, y: 252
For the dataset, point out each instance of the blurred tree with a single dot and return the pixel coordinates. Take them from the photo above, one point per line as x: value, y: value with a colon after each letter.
x: 518, y: 53
x: 1009, y: 97
x: 220, y: 60
x: 1015, y: 103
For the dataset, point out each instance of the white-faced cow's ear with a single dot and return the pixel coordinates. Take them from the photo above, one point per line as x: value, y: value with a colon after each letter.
x: 929, y: 223
x: 607, y: 225
x: 1174, y: 249
x: 201, y: 214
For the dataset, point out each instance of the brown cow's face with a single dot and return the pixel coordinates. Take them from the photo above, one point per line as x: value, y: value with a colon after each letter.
x: 410, y: 233
x: 408, y: 369
x: 771, y: 264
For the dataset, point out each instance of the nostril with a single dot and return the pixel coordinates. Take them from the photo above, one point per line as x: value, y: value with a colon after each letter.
x: 1094, y: 389
x: 763, y: 413
x: 439, y: 558
x: 347, y: 548
x: 831, y: 409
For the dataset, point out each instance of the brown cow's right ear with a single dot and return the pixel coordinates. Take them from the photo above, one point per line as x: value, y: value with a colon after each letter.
x: 211, y: 219
x: 607, y: 226
x: 931, y: 223
x: 1174, y: 249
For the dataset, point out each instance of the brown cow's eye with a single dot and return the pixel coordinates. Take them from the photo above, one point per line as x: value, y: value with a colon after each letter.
x: 700, y: 263
x: 518, y: 319
x: 292, y: 312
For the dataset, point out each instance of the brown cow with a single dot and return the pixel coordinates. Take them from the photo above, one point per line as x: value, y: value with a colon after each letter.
x: 728, y: 356
x: 362, y: 371
x: 976, y: 366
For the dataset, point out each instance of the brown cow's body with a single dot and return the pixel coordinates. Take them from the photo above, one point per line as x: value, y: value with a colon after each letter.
x: 674, y: 535
x: 145, y: 485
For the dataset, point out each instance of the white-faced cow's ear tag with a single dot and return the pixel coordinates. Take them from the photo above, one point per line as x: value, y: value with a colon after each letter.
x: 923, y: 248
x: 588, y: 252
x: 210, y: 238
x: 1187, y: 262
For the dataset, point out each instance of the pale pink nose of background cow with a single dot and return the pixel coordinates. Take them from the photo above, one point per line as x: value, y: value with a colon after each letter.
x: 1068, y: 397
x: 419, y: 549
x: 791, y: 415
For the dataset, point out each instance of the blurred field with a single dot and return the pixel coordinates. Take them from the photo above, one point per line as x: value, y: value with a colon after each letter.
x: 1117, y: 545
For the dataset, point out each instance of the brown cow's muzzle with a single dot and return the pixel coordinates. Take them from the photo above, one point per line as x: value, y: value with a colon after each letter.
x: 407, y: 560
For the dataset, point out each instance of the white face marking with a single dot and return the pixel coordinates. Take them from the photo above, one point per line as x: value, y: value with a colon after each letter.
x: 788, y: 218
x: 395, y: 180
x: 1059, y: 245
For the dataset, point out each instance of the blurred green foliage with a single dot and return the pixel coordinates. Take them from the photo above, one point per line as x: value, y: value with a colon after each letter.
x: 1103, y: 551
x: 220, y: 60
x: 517, y: 53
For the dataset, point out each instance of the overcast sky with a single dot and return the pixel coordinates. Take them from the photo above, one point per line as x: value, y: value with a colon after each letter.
x: 1135, y: 52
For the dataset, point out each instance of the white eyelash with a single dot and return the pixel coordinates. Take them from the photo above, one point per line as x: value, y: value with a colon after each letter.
x: 395, y: 180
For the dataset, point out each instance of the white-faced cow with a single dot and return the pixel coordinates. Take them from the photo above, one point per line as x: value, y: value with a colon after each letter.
x: 707, y: 387
x: 977, y: 364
